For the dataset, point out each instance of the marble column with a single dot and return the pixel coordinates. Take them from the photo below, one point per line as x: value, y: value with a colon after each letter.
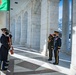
x: 65, y: 26
x: 54, y: 14
x: 12, y: 30
x: 18, y: 30
x: 29, y: 27
x: 15, y: 30
x: 73, y: 57
x: 49, y: 21
x: 44, y: 24
x: 8, y: 20
x: 36, y: 23
x: 24, y: 19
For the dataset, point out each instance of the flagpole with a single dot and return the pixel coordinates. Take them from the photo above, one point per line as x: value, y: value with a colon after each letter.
x: 9, y: 14
x: 9, y: 20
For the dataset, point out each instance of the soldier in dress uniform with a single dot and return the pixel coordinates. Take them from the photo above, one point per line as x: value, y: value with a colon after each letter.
x: 57, y: 46
x: 50, y: 46
x: 4, y: 48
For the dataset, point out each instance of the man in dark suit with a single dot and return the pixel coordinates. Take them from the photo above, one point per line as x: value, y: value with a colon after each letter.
x: 57, y: 46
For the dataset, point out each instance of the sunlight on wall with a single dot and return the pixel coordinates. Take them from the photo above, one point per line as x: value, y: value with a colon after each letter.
x: 44, y: 49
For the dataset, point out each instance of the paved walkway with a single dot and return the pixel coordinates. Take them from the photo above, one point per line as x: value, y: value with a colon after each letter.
x: 26, y: 62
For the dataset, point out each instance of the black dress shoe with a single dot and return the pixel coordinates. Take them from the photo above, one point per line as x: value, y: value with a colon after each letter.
x: 55, y: 63
x: 49, y: 59
x: 4, y: 69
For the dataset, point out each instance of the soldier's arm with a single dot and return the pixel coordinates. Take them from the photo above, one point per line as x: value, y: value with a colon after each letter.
x: 59, y: 43
x: 49, y: 40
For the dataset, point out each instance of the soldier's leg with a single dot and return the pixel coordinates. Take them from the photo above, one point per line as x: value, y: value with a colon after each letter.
x: 50, y: 54
x: 3, y: 65
x: 57, y: 57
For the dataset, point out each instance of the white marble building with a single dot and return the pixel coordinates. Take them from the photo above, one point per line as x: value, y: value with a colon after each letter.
x: 31, y: 21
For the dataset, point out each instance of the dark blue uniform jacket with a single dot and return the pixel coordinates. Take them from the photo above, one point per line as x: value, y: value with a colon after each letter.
x: 57, y: 43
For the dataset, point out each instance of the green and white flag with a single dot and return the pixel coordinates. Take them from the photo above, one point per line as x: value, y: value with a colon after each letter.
x: 4, y: 5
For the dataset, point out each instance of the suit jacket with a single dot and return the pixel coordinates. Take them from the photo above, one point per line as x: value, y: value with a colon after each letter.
x: 57, y: 43
x: 4, y: 47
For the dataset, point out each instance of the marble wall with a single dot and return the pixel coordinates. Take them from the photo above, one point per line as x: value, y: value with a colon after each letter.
x: 34, y: 23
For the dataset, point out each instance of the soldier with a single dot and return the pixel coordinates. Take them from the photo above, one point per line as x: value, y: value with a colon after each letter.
x: 50, y: 46
x: 57, y: 45
x: 4, y: 49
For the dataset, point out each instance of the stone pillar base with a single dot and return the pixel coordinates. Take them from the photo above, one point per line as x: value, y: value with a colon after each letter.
x: 72, y: 69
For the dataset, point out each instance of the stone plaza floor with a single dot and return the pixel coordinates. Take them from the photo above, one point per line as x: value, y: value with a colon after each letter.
x: 28, y: 62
